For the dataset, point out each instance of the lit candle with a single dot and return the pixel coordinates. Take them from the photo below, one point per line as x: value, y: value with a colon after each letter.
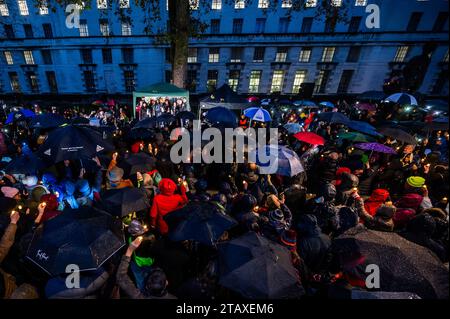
x: 19, y: 207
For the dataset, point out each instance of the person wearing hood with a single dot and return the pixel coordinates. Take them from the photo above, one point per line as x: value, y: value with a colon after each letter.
x: 279, y: 218
x: 326, y: 210
x: 383, y: 218
x: 378, y: 197
x: 407, y: 207
x: 68, y: 199
x: 313, y: 245
x: 420, y: 230
x: 201, y: 194
x: 165, y: 202
x: 347, y: 187
x: 51, y: 207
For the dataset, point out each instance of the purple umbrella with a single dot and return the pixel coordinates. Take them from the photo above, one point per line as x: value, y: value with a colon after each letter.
x: 366, y: 107
x: 376, y: 147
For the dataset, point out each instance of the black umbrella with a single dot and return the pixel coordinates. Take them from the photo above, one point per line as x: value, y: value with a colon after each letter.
x: 25, y: 164
x: 165, y: 118
x: 371, y: 95
x: 404, y: 266
x: 398, y: 134
x: 141, y: 133
x: 147, y: 123
x: 139, y: 162
x: 203, y: 222
x: 333, y: 117
x: 121, y: 202
x: 222, y: 117
x: 73, y: 142
x: 79, y: 120
x: 185, y: 115
x: 47, y: 120
x: 85, y: 237
x: 435, y: 126
x: 258, y: 268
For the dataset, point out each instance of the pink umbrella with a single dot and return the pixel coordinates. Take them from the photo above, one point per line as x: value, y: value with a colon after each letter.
x: 310, y: 138
x: 111, y: 102
x: 252, y: 99
x: 366, y: 107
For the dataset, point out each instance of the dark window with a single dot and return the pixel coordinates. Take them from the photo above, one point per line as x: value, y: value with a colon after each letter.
x: 129, y: 81
x: 168, y: 76
x: 211, y: 83
x: 353, y: 54
x: 237, y: 25
x: 14, y: 80
x: 283, y: 25
x: 9, y: 31
x: 258, y: 54
x: 260, y: 25
x: 107, y: 56
x: 215, y: 26
x: 47, y: 56
x: 86, y: 56
x: 28, y: 30
x: 330, y: 25
x: 346, y: 78
x: 306, y: 25
x: 192, y: 80
x: 354, y: 24
x: 48, y: 33
x: 236, y: 55
x: 89, y: 81
x: 128, y: 55
x: 414, y: 21
x: 441, y: 19
x: 167, y: 55
x: 51, y: 79
x: 32, y: 82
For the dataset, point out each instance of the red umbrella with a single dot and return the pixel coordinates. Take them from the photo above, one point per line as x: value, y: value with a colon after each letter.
x: 366, y: 107
x: 98, y: 102
x: 253, y: 99
x: 111, y: 102
x: 310, y: 137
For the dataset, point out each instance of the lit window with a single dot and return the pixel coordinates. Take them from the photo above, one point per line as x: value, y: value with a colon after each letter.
x: 43, y: 8
x: 286, y: 3
x: 328, y: 54
x: 14, y: 81
x: 126, y: 28
x: 299, y: 78
x: 130, y: 82
x: 8, y: 57
x: 124, y: 4
x: 211, y: 82
x: 311, y: 3
x: 277, y: 81
x: 193, y: 4
x: 28, y: 55
x: 281, y: 55
x: 305, y: 55
x: 216, y: 4
x: 4, y: 12
x: 104, y: 27
x: 360, y: 3
x: 233, y: 80
x: 23, y: 7
x: 263, y: 4
x: 102, y: 4
x: 239, y: 4
x: 84, y: 31
x: 336, y: 3
x: 401, y: 53
x: 213, y: 56
x: 255, y: 79
x: 192, y: 55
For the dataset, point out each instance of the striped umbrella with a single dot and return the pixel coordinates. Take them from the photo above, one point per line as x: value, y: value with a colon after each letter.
x: 402, y: 98
x: 258, y: 114
x: 283, y: 161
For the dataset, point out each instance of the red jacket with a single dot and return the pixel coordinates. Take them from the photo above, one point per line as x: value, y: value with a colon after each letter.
x: 165, y: 202
x: 376, y: 199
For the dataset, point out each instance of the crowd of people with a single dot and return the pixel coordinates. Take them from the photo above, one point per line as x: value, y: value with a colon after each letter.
x: 151, y: 107
x: 341, y: 188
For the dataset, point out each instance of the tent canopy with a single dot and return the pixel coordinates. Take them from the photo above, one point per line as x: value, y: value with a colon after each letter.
x: 161, y: 90
x: 225, y: 97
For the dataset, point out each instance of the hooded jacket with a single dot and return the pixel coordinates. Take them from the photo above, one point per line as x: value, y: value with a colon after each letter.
x: 166, y: 202
x: 407, y: 208
x: 376, y: 199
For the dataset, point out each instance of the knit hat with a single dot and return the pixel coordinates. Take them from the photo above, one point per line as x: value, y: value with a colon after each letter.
x: 289, y: 238
x: 30, y: 181
x: 115, y: 175
x: 276, y: 215
x: 136, y: 228
x: 37, y: 192
x: 415, y: 181
x: 135, y: 147
x: 9, y: 192
x: 252, y: 177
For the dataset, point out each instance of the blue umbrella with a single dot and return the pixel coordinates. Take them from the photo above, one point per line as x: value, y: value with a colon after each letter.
x: 363, y: 127
x: 221, y: 116
x: 293, y: 128
x: 283, y: 161
x: 20, y: 115
x: 257, y: 114
x: 402, y: 98
x: 333, y: 117
x: 327, y: 104
x: 47, y: 120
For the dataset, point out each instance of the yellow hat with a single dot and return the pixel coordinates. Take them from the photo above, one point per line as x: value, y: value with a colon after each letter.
x: 415, y: 181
